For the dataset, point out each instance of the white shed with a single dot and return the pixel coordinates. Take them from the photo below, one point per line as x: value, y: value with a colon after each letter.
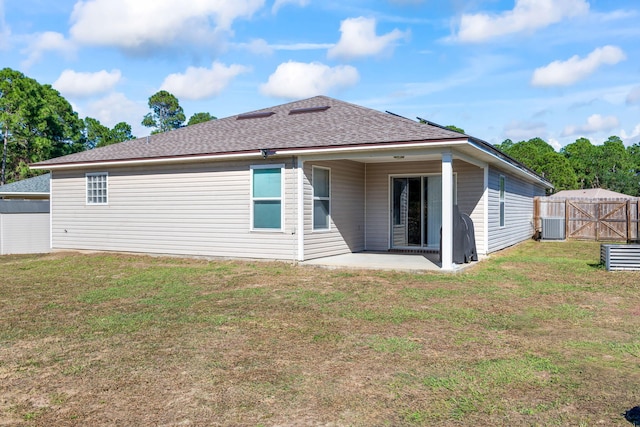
x: 24, y: 216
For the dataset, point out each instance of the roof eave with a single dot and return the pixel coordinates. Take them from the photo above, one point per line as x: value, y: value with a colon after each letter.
x: 246, y: 154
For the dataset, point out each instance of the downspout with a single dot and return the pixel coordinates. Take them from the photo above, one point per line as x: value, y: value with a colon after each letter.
x: 300, y: 170
x: 365, y: 207
x: 51, y: 210
x: 486, y: 210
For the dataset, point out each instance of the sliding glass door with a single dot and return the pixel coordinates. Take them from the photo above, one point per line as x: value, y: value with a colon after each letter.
x: 416, y: 208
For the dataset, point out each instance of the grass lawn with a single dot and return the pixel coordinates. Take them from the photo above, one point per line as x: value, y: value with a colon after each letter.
x: 537, y: 335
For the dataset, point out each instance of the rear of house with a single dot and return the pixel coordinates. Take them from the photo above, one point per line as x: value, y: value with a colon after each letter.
x: 304, y: 180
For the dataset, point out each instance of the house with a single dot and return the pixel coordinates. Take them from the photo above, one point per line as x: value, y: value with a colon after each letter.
x: 24, y: 216
x: 297, y: 181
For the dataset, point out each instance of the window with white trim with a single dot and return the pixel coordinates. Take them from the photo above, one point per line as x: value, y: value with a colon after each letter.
x: 266, y: 197
x: 97, y: 184
x: 321, y: 179
x: 502, y: 200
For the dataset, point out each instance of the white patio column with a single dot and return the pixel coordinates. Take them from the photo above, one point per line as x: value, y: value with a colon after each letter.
x: 447, y: 211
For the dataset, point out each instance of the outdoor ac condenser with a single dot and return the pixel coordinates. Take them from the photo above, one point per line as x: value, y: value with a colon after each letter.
x: 553, y: 229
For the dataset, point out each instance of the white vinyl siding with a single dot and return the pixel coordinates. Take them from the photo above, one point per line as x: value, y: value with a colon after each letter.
x: 192, y: 209
x: 321, y: 183
x: 346, y: 230
x: 518, y: 210
x: 97, y: 188
x: 24, y: 233
x: 470, y: 198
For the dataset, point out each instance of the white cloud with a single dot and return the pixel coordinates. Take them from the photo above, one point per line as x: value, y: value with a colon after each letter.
x: 144, y: 24
x: 523, y: 131
x: 44, y: 42
x: 256, y: 46
x: 595, y: 123
x: 78, y: 84
x: 5, y: 30
x: 564, y: 73
x: 635, y: 133
x: 634, y: 96
x: 294, y: 80
x: 555, y: 144
x: 260, y: 46
x: 279, y: 3
x: 359, y: 39
x: 201, y: 83
x: 115, y: 108
x: 302, y: 46
x: 527, y: 15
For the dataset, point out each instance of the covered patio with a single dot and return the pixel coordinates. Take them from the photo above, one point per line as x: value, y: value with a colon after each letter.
x: 385, y: 261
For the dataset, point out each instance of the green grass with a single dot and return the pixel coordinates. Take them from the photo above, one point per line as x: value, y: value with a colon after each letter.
x: 537, y: 335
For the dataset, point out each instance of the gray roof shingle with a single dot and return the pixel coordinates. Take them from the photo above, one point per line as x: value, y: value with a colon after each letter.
x: 38, y: 184
x: 296, y: 125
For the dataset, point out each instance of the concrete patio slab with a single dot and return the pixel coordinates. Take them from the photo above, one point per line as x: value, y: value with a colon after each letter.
x: 382, y: 261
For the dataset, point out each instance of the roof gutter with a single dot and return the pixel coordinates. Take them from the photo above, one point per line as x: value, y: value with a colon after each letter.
x: 504, y: 158
x: 23, y: 194
x: 158, y: 160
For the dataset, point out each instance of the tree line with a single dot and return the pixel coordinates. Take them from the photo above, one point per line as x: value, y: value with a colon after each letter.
x: 581, y: 164
x: 37, y: 123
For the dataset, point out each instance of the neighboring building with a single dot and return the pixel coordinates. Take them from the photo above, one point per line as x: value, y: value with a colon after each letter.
x: 590, y: 193
x: 36, y: 188
x: 298, y: 181
x: 24, y: 216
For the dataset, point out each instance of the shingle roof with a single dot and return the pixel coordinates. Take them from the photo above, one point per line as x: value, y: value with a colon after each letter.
x: 38, y: 184
x: 300, y: 124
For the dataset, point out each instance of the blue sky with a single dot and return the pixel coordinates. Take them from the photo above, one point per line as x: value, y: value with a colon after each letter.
x: 557, y: 69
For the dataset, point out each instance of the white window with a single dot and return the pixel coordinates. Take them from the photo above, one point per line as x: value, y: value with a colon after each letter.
x: 501, y: 200
x: 266, y: 197
x: 97, y: 188
x: 321, y: 180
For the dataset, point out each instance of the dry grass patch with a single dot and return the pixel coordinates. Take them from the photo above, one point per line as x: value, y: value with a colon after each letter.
x: 536, y: 335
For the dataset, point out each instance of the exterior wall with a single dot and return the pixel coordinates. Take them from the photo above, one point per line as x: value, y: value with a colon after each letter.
x: 24, y: 233
x: 470, y: 196
x: 190, y: 209
x: 518, y: 221
x: 346, y: 233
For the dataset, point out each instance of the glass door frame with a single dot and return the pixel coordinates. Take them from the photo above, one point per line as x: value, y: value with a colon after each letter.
x: 423, y: 243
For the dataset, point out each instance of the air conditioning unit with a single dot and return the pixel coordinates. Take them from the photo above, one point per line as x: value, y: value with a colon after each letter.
x: 553, y: 229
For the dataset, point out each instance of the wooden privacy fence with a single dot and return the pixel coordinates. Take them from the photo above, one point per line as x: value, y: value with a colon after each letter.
x: 611, y: 220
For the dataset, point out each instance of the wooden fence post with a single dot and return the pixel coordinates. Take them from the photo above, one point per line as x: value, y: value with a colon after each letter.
x: 628, y: 221
x: 566, y: 218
